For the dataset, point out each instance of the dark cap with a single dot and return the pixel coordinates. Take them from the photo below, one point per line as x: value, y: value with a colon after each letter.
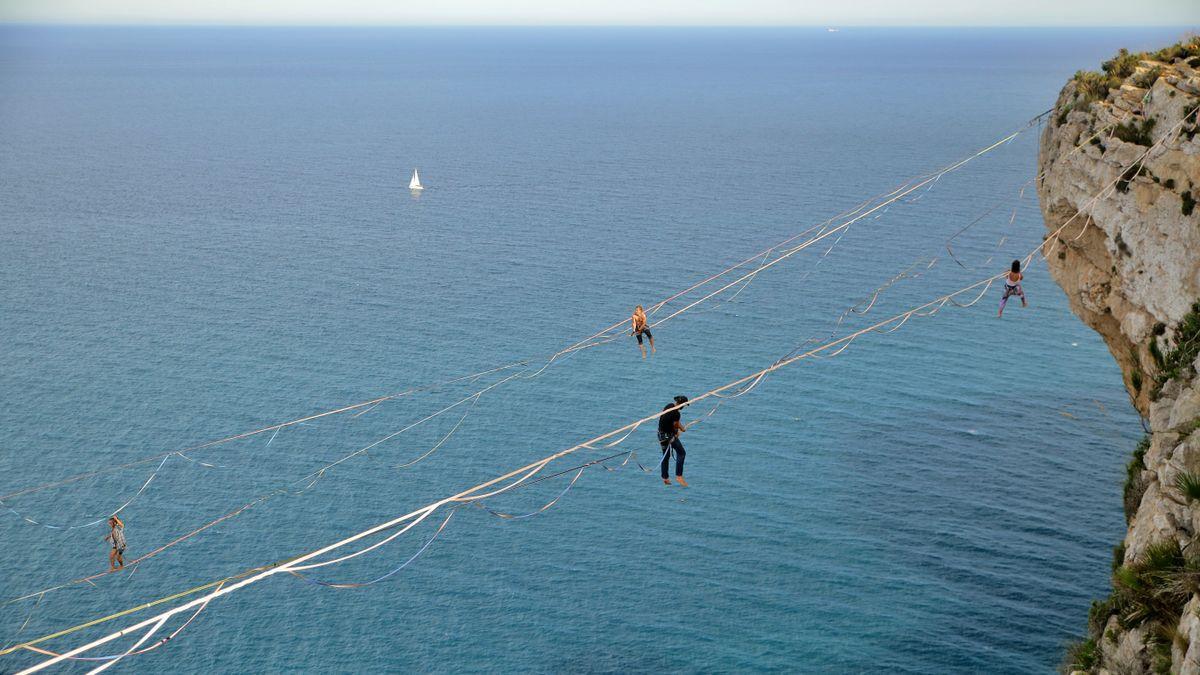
x: 681, y: 400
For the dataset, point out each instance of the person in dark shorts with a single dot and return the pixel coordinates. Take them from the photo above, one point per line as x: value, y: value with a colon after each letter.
x: 669, y: 428
x: 116, y: 557
x: 640, y: 328
x: 1012, y: 286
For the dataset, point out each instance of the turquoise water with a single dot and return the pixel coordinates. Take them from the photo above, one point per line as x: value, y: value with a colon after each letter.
x: 203, y: 231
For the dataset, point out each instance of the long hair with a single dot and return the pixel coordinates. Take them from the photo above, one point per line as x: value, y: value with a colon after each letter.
x: 1016, y: 267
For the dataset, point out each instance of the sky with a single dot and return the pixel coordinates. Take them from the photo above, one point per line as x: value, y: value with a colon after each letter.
x: 611, y: 12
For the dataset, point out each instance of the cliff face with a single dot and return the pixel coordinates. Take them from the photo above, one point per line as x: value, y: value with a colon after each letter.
x: 1130, y: 265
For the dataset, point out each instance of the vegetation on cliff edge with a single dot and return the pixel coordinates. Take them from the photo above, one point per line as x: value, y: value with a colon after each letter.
x: 1093, y: 85
x: 1180, y: 358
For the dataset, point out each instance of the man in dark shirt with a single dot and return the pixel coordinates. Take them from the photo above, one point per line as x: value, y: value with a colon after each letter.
x: 669, y: 428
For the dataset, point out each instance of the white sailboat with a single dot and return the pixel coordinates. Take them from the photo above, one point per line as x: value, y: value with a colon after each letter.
x: 415, y: 183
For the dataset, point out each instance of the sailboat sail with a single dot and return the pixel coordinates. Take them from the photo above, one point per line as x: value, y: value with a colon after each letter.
x: 415, y: 183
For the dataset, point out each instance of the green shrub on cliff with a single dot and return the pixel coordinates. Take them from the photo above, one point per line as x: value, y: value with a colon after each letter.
x: 1081, y: 655
x: 1185, y: 49
x: 1094, y: 86
x: 1122, y: 65
x: 1098, y: 616
x: 1155, y: 587
x: 1146, y: 79
x: 1149, y: 592
x: 1187, y: 347
x: 1132, y: 132
x: 1188, y: 485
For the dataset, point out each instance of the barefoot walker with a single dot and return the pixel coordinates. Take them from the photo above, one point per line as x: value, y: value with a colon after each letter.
x: 641, y: 328
x: 1012, y: 286
x: 669, y: 428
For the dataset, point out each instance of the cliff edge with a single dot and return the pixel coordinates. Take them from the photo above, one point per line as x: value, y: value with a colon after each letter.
x: 1129, y: 261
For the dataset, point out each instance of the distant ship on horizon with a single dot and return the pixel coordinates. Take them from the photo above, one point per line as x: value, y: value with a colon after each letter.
x: 415, y: 183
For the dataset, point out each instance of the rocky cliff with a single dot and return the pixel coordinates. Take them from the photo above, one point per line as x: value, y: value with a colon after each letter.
x: 1129, y: 261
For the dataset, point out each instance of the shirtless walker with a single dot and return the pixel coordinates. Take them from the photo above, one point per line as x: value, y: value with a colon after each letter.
x: 640, y: 328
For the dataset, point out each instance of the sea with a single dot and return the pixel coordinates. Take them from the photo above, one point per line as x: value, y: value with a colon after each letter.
x: 206, y: 231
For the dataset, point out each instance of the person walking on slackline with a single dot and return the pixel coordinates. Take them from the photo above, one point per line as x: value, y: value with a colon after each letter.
x: 116, y: 557
x: 640, y: 328
x: 1012, y: 286
x: 669, y: 428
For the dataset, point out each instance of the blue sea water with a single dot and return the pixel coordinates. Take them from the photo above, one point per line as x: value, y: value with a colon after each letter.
x: 206, y: 230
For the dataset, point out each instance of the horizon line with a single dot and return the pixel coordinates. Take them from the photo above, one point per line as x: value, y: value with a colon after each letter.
x: 304, y: 24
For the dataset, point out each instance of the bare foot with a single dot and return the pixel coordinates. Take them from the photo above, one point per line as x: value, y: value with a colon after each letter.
x: 666, y: 481
x: 681, y: 481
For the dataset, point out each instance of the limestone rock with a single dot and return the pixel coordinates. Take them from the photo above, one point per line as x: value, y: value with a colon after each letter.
x: 1129, y: 262
x: 1185, y: 409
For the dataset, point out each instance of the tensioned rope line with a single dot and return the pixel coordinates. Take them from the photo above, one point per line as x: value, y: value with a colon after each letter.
x: 890, y: 198
x: 523, y: 474
x: 134, y: 650
x: 578, y: 470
